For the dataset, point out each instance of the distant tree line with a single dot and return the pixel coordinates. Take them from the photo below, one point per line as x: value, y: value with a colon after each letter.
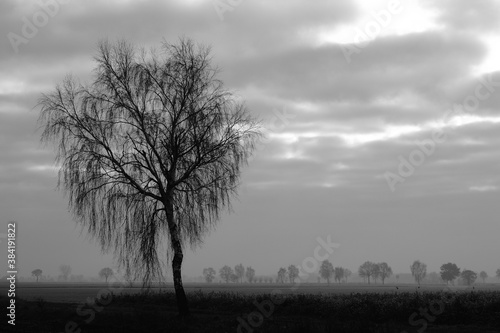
x: 369, y: 271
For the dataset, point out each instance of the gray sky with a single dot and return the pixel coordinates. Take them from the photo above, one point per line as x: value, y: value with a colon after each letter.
x: 427, y: 72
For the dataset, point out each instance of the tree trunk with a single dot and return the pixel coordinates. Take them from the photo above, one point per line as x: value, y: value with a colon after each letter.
x: 180, y: 295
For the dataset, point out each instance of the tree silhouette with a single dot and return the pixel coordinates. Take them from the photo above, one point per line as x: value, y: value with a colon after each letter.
x: 347, y: 273
x: 65, y: 271
x: 326, y: 270
x: 106, y: 273
x: 226, y: 273
x: 37, y: 273
x: 239, y: 270
x: 418, y: 270
x: 250, y: 274
x: 483, y: 275
x: 468, y: 276
x: 281, y: 275
x: 293, y: 273
x: 151, y: 152
x: 338, y: 273
x: 209, y: 274
x: 449, y: 272
x: 375, y: 270
x: 366, y: 270
x: 385, y: 271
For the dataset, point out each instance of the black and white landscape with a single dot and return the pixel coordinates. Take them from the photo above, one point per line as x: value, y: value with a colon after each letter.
x: 250, y: 166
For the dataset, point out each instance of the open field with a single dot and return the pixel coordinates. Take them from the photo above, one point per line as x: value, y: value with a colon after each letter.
x: 76, y: 293
x: 232, y: 307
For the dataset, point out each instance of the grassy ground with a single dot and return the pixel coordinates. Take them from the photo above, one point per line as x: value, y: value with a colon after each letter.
x: 471, y: 311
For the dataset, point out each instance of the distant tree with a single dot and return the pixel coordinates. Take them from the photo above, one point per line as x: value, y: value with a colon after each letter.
x: 239, y: 270
x: 281, y: 275
x: 498, y: 273
x: 234, y: 278
x: 468, y: 276
x: 37, y: 273
x: 347, y: 274
x: 326, y: 270
x: 366, y: 270
x: 338, y: 273
x: 65, y: 271
x: 293, y: 273
x: 483, y: 275
x: 225, y: 273
x: 385, y: 271
x: 209, y: 274
x: 375, y: 272
x: 261, y: 279
x: 449, y: 272
x: 106, y: 273
x: 418, y: 270
x: 250, y: 274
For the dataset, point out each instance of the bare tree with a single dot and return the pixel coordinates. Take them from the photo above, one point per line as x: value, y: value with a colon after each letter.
x: 150, y: 153
x: 65, y: 271
x: 375, y: 272
x: 239, y: 270
x: 106, y: 273
x: 250, y: 274
x: 37, y: 273
x: 293, y: 273
x: 418, y: 270
x: 347, y: 273
x: 483, y: 275
x: 226, y: 273
x: 366, y: 270
x: 281, y: 275
x: 338, y: 274
x: 209, y: 274
x: 385, y: 271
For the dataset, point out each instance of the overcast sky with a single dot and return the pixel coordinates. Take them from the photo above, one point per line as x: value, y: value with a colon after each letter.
x: 345, y: 99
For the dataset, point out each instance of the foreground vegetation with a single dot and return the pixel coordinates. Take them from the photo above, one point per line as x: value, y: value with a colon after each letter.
x: 472, y: 311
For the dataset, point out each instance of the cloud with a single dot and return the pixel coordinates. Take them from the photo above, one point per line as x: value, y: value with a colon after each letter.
x: 467, y: 16
x: 485, y: 188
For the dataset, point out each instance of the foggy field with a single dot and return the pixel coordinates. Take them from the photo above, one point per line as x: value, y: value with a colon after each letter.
x: 77, y: 293
x: 233, y: 308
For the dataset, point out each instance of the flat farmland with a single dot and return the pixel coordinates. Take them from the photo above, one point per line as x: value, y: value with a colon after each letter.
x: 313, y: 307
x: 77, y: 293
